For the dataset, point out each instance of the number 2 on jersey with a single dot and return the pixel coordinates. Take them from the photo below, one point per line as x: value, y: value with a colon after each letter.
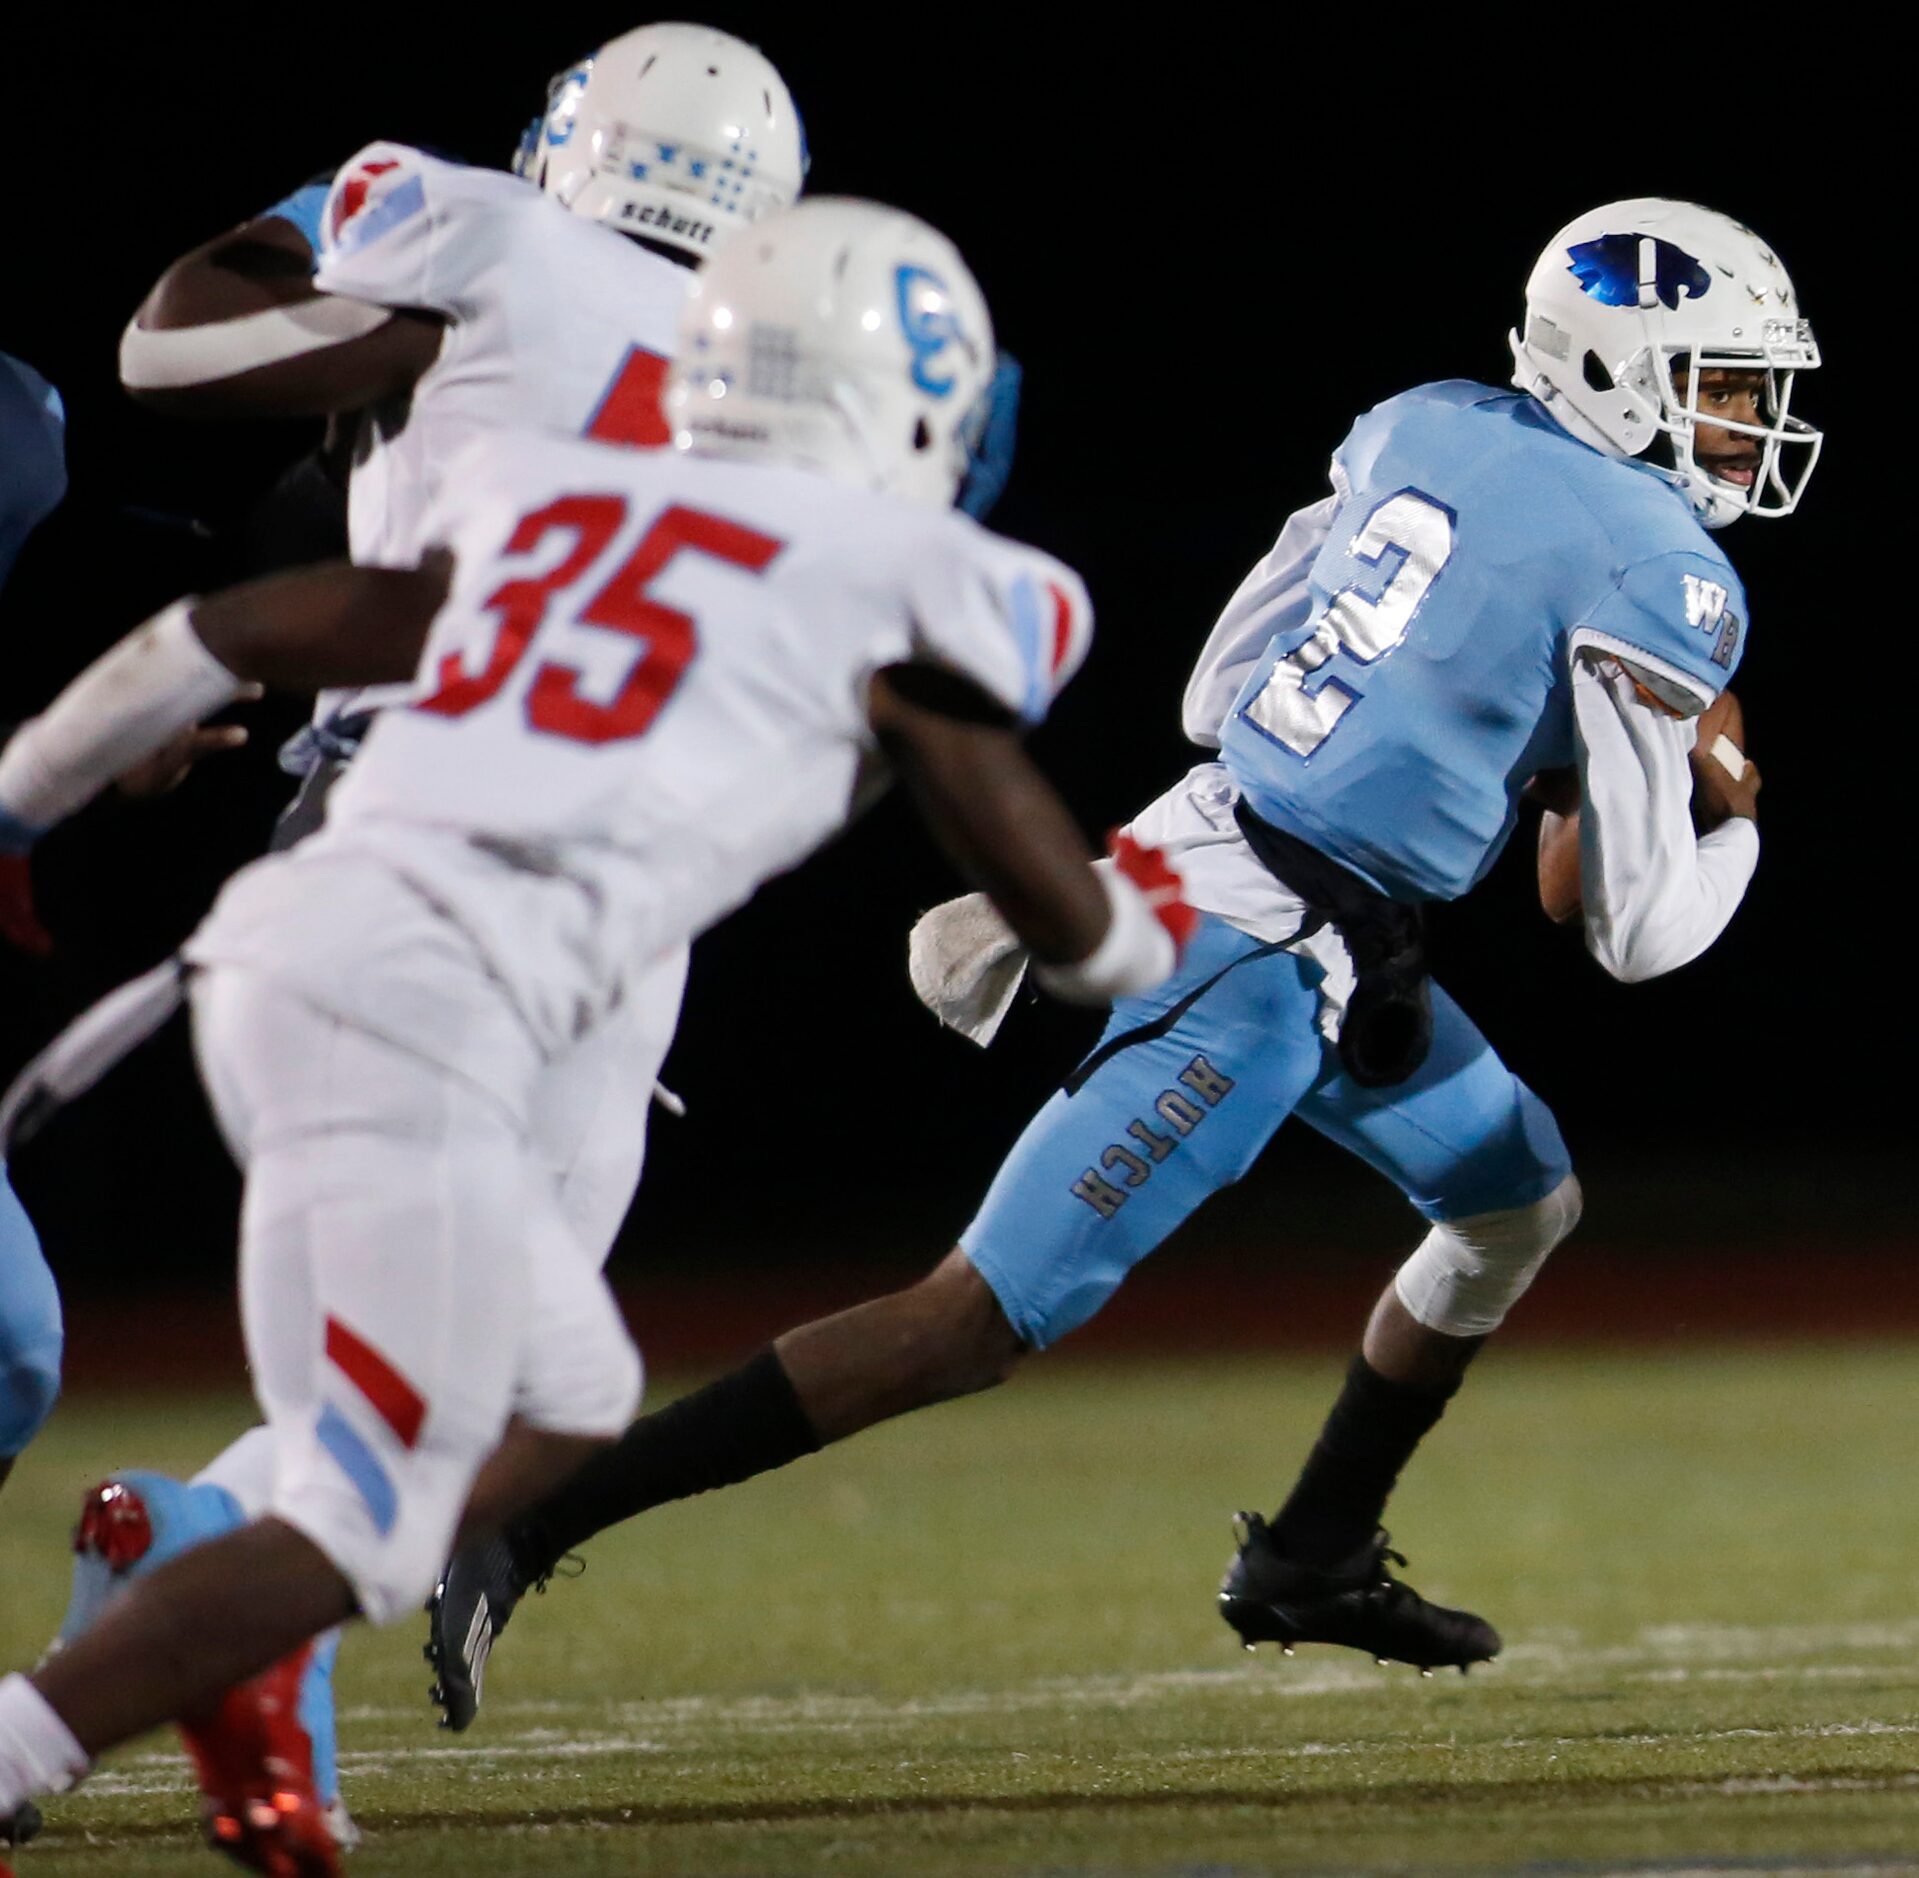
x: 667, y: 637
x: 1365, y: 629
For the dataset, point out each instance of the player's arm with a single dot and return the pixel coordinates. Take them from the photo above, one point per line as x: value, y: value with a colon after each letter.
x: 239, y: 328
x: 1098, y: 934
x: 33, y: 455
x: 334, y: 624
x: 1656, y: 892
x: 1275, y: 596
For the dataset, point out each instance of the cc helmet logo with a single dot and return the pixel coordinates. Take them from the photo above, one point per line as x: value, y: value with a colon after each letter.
x: 927, y: 320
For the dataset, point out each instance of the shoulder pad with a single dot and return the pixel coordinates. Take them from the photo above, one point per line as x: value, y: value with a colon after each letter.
x: 372, y: 190
x: 386, y: 231
x: 1678, y: 621
x: 1010, y: 617
x: 1405, y: 415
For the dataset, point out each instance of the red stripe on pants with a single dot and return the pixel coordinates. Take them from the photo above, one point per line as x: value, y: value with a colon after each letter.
x: 401, y: 1406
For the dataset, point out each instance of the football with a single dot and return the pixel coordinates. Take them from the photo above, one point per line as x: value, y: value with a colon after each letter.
x: 1559, y: 866
x: 1558, y: 859
x: 1557, y: 793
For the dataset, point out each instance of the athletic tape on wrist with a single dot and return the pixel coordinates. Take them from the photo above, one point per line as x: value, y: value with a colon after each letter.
x: 157, y: 682
x: 1136, y: 953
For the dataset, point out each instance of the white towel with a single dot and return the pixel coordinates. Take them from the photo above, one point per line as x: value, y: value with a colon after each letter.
x: 966, y: 965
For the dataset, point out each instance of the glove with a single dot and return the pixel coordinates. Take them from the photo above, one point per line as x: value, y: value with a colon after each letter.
x: 1155, y: 876
x: 1150, y: 923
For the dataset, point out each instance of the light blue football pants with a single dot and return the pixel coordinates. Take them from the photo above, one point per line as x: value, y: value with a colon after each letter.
x: 1187, y: 1086
x: 31, y: 1332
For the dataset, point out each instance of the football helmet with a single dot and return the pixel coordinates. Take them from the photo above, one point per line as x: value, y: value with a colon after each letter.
x: 676, y: 133
x: 844, y: 337
x: 1631, y: 298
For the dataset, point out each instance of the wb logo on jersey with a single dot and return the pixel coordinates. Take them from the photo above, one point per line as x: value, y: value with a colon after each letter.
x: 1706, y: 609
x: 927, y: 320
x: 1705, y: 601
x: 1616, y: 271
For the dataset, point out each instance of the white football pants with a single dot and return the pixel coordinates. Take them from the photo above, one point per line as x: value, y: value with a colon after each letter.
x: 408, y: 1278
x: 589, y: 1127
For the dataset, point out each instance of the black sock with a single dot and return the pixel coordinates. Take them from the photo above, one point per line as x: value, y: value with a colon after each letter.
x: 742, y: 1425
x: 1370, y: 1435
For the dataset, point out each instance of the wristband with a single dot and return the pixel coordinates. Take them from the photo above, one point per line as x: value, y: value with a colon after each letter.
x: 157, y: 682
x: 1135, y: 955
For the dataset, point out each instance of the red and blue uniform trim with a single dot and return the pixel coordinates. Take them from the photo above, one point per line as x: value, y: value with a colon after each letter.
x: 392, y: 1398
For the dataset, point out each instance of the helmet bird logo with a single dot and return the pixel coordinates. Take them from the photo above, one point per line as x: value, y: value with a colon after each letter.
x: 1612, y: 270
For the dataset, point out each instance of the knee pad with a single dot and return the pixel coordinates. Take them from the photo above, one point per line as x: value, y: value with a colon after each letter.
x: 603, y: 1397
x: 580, y: 1373
x: 31, y: 1333
x: 1468, y: 1273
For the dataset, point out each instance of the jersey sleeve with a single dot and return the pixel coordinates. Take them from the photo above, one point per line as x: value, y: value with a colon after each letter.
x: 1275, y: 596
x: 1655, y: 895
x: 1014, y: 620
x: 400, y: 228
x: 33, y: 464
x: 305, y: 208
x: 1677, y: 621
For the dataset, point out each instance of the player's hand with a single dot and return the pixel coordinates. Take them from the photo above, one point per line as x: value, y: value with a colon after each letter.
x: 20, y: 923
x: 1717, y: 793
x: 168, y: 767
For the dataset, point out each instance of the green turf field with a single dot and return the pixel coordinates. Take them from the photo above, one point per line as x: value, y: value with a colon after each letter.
x: 983, y: 1641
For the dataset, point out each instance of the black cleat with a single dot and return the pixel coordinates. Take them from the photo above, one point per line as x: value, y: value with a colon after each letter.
x: 476, y: 1596
x: 22, y: 1824
x: 470, y: 1608
x: 1268, y: 1598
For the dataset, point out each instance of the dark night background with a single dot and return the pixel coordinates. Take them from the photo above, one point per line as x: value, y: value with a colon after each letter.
x: 1210, y: 254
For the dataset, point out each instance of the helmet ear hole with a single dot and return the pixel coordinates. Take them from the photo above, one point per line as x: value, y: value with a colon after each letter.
x: 1596, y: 375
x: 922, y: 434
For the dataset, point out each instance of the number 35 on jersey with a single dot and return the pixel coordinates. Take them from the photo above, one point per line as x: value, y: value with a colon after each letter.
x: 533, y: 608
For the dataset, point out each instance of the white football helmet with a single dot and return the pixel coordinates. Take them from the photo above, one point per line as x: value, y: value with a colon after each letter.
x: 1627, y: 299
x: 677, y: 133
x: 843, y: 337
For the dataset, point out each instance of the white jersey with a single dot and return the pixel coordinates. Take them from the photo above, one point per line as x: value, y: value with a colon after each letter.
x: 646, y: 694
x: 553, y: 323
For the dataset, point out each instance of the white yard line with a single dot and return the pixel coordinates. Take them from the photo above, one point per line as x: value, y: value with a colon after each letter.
x: 687, y: 1715
x: 1533, y: 1665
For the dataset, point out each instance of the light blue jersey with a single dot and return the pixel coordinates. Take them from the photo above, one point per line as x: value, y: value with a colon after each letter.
x: 33, y: 459
x: 33, y: 478
x: 1474, y: 548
